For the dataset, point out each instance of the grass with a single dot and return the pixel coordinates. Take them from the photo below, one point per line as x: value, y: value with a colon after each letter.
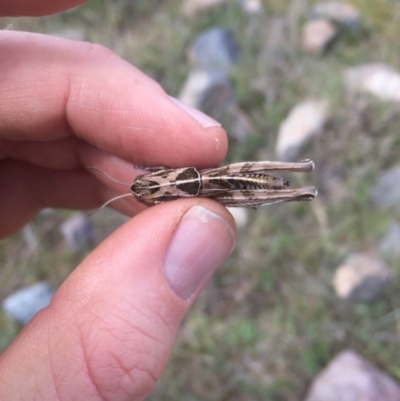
x: 269, y: 320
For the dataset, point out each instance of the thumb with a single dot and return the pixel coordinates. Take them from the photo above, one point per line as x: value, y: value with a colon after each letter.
x: 110, y: 327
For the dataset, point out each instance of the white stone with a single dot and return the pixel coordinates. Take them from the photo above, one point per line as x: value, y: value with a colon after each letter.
x: 251, y: 7
x: 350, y: 377
x: 318, y: 35
x: 389, y: 246
x: 23, y: 304
x: 379, y: 80
x: 360, y: 278
x: 192, y: 8
x: 338, y: 12
x: 240, y: 214
x: 214, y: 49
x: 30, y: 238
x: 209, y: 91
x: 77, y: 232
x: 303, y: 122
x: 386, y: 192
x: 240, y: 124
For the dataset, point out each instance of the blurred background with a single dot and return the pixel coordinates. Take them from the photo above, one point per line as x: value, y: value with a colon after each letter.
x: 289, y: 80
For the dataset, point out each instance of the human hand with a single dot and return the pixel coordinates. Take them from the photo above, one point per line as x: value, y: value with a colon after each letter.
x: 110, y: 327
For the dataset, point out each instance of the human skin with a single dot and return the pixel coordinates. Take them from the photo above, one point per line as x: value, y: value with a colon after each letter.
x: 64, y: 105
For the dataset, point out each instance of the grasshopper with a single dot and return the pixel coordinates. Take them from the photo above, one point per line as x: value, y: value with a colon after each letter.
x: 247, y: 184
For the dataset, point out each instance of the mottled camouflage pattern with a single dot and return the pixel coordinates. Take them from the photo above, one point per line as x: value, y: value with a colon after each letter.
x: 246, y: 184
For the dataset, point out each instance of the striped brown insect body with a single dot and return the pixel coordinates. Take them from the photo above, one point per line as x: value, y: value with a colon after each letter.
x: 247, y: 184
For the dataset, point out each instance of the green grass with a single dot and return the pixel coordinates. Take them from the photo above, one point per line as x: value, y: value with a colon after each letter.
x: 269, y: 320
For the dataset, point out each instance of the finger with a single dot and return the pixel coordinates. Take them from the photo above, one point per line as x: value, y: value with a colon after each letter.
x: 58, y: 154
x: 51, y: 89
x: 26, y: 189
x: 36, y: 8
x: 110, y: 327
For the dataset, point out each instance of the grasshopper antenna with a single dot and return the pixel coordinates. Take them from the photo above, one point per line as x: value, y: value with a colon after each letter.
x: 108, y: 176
x: 108, y: 202
x: 114, y: 180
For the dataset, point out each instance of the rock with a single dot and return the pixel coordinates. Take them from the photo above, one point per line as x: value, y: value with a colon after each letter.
x: 192, y: 8
x: 211, y: 92
x: 303, y: 122
x: 78, y: 232
x: 240, y: 214
x: 350, y: 377
x: 318, y: 35
x: 251, y: 7
x: 23, y: 304
x: 208, y: 91
x: 214, y: 49
x: 338, y: 12
x: 379, y: 80
x: 360, y: 278
x: 239, y: 123
x: 386, y: 192
x: 208, y: 87
x: 30, y: 238
x: 389, y: 246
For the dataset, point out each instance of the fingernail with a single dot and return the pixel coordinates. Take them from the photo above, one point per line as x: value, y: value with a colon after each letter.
x: 201, y: 242
x: 203, y: 119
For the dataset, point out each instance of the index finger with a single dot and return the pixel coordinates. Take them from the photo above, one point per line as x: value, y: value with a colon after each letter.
x: 52, y: 88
